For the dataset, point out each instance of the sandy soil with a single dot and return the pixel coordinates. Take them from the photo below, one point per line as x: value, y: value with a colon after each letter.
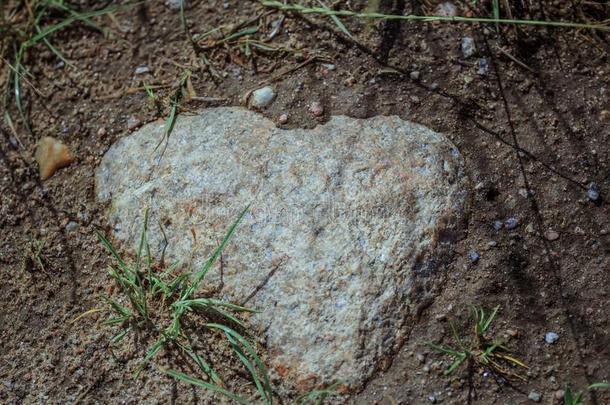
x: 534, y: 130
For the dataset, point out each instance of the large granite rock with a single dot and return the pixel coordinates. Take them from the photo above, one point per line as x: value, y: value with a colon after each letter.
x: 348, y: 224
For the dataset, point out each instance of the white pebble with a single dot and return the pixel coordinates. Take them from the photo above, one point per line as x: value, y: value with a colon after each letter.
x: 262, y: 97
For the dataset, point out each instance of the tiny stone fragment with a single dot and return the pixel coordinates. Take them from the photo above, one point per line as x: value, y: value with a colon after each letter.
x: 446, y: 9
x: 534, y: 396
x: 262, y: 97
x: 511, y: 223
x: 468, y: 47
x: 316, y: 109
x: 71, y: 226
x: 593, y: 192
x: 142, y: 70
x: 551, y: 235
x: 551, y: 337
x: 483, y: 67
x: 51, y: 155
x: 283, y: 119
x: 474, y: 256
x: 133, y: 122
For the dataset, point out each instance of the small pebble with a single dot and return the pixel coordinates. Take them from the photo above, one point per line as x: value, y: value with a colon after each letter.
x: 511, y: 223
x: 483, y: 67
x: 559, y: 394
x: 350, y: 81
x: 262, y: 97
x: 316, y: 109
x: 173, y: 5
x: 593, y: 192
x: 414, y: 75
x: 133, y: 122
x: 101, y: 131
x: 498, y: 225
x: 329, y: 66
x: 142, y: 69
x: 432, y: 399
x: 420, y: 357
x: 51, y: 155
x: 71, y: 226
x: 474, y: 256
x: 446, y: 9
x: 283, y: 119
x: 551, y: 235
x: 534, y: 396
x: 551, y: 337
x: 468, y: 47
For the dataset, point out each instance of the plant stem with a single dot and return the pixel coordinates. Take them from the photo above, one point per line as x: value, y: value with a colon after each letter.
x: 472, y: 20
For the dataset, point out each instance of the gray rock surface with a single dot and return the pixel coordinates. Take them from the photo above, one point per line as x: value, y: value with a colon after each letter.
x: 349, y: 222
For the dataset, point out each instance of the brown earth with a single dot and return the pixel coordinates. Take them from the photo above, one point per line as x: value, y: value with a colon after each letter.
x: 535, y: 132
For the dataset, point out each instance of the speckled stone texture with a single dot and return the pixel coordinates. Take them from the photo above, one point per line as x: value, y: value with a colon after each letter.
x: 349, y: 223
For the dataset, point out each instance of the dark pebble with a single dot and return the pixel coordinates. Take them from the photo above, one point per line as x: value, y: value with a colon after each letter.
x: 593, y: 192
x: 474, y: 256
x: 511, y: 223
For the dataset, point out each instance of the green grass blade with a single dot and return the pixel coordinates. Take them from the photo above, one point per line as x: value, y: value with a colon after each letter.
x: 602, y: 26
x: 110, y: 248
x: 152, y: 352
x: 203, y: 365
x: 200, y: 383
x: 337, y: 21
x: 495, y: 8
x: 120, y: 336
x: 70, y: 20
x: 318, y: 396
x: 457, y: 362
x: 262, y: 369
x: 215, y: 256
x: 241, y: 33
x: 487, y: 323
x: 143, y: 241
x: 603, y: 385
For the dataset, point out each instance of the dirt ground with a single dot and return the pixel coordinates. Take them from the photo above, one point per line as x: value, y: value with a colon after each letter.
x: 534, y: 131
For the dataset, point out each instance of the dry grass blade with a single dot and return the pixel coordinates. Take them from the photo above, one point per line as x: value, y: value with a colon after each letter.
x: 298, y: 8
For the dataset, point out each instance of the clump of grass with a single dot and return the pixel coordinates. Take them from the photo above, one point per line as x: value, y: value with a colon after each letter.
x: 488, y: 354
x: 156, y: 302
x: 323, y: 10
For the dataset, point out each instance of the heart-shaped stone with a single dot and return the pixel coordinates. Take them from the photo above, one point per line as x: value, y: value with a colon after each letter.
x: 349, y: 222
